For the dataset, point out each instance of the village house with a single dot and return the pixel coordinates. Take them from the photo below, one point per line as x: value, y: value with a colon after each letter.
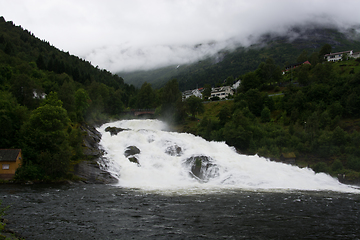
x: 195, y: 92
x: 334, y: 57
x: 10, y: 160
x: 295, y: 65
x: 288, y: 158
x: 236, y: 85
x: 222, y: 92
x: 356, y: 55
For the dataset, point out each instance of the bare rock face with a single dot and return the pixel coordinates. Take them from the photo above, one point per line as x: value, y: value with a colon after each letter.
x: 201, y: 168
x: 130, y: 153
x: 114, y: 130
x: 89, y: 170
x: 91, y: 141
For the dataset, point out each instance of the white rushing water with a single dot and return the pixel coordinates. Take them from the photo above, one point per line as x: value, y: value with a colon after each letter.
x: 161, y: 169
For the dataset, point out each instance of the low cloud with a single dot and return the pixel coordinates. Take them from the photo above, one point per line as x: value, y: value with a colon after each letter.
x: 121, y: 35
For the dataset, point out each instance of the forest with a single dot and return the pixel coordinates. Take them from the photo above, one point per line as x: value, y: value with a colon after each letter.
x: 46, y: 95
x: 312, y: 111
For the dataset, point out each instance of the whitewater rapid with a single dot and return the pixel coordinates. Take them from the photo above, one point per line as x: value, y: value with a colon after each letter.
x: 157, y: 169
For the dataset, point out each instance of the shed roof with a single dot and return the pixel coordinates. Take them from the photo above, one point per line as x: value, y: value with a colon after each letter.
x: 289, y: 155
x: 330, y: 54
x: 9, y: 155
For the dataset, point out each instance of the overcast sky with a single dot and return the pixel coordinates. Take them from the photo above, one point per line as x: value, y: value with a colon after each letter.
x: 120, y: 35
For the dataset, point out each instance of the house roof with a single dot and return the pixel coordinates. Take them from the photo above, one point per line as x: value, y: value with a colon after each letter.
x: 289, y: 155
x: 330, y: 54
x: 297, y: 64
x: 9, y: 155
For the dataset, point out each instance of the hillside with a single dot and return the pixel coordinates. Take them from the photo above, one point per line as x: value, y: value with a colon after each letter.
x: 47, y: 97
x: 282, y: 49
x: 314, y: 115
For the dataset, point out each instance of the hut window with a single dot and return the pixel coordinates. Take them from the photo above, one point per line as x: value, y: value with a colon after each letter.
x: 6, y: 166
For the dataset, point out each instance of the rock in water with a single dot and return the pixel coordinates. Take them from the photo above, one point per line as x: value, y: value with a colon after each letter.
x: 114, y: 130
x: 130, y: 153
x: 201, y: 168
x: 131, y: 150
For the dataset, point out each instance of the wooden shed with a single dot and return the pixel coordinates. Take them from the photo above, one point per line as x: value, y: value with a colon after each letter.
x: 288, y: 158
x: 10, y: 160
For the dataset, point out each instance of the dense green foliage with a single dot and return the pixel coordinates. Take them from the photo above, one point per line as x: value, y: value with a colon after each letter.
x: 45, y: 95
x: 318, y: 120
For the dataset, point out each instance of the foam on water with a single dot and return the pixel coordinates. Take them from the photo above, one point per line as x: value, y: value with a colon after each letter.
x: 159, y: 170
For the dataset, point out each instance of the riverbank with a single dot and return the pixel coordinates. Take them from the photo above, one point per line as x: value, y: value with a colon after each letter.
x: 88, y: 170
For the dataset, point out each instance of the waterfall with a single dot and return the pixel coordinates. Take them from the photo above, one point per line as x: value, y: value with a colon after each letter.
x: 143, y: 154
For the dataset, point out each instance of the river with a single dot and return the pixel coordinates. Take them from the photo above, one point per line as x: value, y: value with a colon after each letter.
x: 230, y: 196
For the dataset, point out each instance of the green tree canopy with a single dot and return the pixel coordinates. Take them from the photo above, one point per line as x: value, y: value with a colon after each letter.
x: 46, y: 139
x: 194, y: 105
x: 146, y: 97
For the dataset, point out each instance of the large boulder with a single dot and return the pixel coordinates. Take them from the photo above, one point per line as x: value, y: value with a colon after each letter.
x: 90, y: 172
x: 130, y: 153
x: 114, y: 130
x: 202, y: 168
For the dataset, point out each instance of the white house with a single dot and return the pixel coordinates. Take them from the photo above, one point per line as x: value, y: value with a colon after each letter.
x: 356, y: 55
x: 236, y: 85
x: 334, y: 57
x: 222, y: 92
x: 188, y: 93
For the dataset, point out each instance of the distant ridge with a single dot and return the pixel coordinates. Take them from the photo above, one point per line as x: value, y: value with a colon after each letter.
x: 283, y: 49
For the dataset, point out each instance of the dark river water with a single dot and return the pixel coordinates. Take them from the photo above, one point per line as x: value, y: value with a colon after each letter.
x: 81, y: 211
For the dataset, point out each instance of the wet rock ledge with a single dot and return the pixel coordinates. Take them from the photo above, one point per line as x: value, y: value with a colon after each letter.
x: 89, y: 170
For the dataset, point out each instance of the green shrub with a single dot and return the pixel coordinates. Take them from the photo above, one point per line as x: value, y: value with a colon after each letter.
x: 320, y: 167
x: 337, y: 166
x: 2, y: 213
x: 354, y: 163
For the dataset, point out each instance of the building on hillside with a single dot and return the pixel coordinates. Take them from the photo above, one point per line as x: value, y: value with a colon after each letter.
x: 222, y: 92
x: 356, y: 55
x: 288, y: 158
x: 10, y: 160
x: 295, y: 65
x: 236, y: 85
x: 334, y: 57
x: 195, y: 92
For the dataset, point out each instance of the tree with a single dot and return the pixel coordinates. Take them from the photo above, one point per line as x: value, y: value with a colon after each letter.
x: 249, y: 81
x: 265, y: 115
x: 170, y: 95
x: 82, y: 101
x: 268, y: 72
x: 146, y: 97
x: 224, y: 115
x: 303, y: 57
x: 194, y: 105
x: 255, y: 101
x: 23, y: 88
x: 46, y: 139
x: 12, y: 116
x: 326, y: 49
x: 40, y: 62
x: 207, y: 91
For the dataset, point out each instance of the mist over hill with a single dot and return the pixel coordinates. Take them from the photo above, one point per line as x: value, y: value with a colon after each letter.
x: 222, y: 61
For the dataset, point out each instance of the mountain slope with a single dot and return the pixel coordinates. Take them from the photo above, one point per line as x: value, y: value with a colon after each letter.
x: 283, y: 49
